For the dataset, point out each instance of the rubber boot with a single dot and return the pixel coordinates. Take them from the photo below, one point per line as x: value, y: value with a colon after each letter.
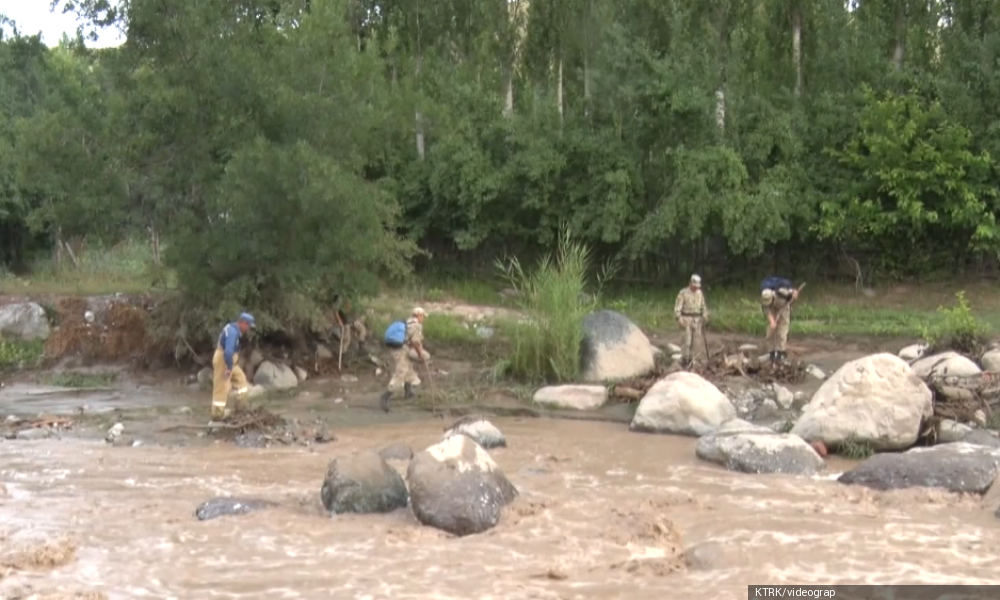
x: 384, y: 401
x: 407, y: 391
x: 773, y: 356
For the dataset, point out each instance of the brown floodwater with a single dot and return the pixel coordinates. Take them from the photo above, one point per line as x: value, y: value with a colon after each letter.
x: 603, y: 513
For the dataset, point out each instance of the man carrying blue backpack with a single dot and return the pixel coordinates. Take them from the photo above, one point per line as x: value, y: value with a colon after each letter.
x: 776, y: 297
x: 407, y: 342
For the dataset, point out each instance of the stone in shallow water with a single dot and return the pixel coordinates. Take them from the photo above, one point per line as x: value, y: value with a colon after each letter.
x: 223, y: 507
x: 958, y: 467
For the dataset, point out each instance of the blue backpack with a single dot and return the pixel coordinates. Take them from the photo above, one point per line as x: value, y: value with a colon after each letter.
x: 395, y: 335
x: 775, y: 283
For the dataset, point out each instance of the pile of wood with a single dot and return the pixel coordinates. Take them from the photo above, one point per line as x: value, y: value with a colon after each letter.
x: 720, y: 367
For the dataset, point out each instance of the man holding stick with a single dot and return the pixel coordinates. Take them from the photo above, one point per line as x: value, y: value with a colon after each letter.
x: 776, y: 298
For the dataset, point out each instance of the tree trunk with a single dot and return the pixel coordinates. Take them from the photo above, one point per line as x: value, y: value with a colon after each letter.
x: 57, y: 250
x: 154, y: 239
x: 899, y: 51
x: 586, y: 82
x: 720, y: 108
x: 508, y: 106
x: 797, y: 46
x: 419, y: 118
x: 559, y: 90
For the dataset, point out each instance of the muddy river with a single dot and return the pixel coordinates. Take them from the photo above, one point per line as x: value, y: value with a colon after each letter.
x: 604, y: 513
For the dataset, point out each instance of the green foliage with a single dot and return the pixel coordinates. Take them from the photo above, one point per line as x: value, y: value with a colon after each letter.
x: 958, y: 330
x: 547, y: 345
x: 16, y: 354
x: 78, y: 379
x: 854, y: 448
x: 917, y: 181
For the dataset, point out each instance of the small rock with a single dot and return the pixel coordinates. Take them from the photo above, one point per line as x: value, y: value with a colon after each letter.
x: 577, y: 397
x: 378, y: 372
x: 348, y: 378
x: 799, y: 400
x: 676, y: 357
x: 485, y: 333
x: 815, y: 372
x: 323, y: 353
x: 35, y: 433
x: 275, y: 375
x: 184, y: 410
x: 950, y: 431
x: 479, y: 429
x: 763, y: 358
x: 398, y: 451
x: 301, y: 374
x: 748, y: 348
x: 768, y: 408
x: 205, y: 378
x: 221, y: 507
x: 338, y: 400
x: 673, y: 349
x: 980, y: 418
x: 11, y: 419
x: 88, y: 316
x: 114, y: 432
x: 912, y: 352
x: 783, y: 397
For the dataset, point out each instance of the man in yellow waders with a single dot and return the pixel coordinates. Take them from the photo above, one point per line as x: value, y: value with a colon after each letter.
x: 227, y: 374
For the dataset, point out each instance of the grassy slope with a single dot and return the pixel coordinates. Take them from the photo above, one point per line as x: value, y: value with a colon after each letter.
x: 825, y: 310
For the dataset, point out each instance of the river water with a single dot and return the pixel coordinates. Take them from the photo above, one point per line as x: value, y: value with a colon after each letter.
x: 603, y: 514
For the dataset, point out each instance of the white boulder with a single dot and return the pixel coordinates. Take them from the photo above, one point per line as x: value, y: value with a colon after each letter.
x: 877, y: 399
x: 947, y: 363
x: 577, y: 397
x: 682, y: 403
x: 24, y: 321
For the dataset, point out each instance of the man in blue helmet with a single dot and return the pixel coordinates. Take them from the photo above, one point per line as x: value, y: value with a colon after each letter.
x: 227, y: 373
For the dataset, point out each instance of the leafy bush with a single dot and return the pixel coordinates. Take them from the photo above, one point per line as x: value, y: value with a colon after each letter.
x: 958, y: 330
x: 20, y: 355
x: 547, y: 345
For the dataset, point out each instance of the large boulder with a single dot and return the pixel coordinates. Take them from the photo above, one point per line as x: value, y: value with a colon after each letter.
x: 991, y: 361
x: 913, y: 352
x: 614, y: 348
x: 978, y: 437
x: 362, y: 483
x: 226, y: 507
x: 947, y: 363
x: 455, y: 486
x: 275, y: 376
x: 959, y: 467
x: 740, y: 446
x: 479, y: 429
x: 682, y: 403
x: 24, y: 321
x: 576, y: 397
x: 877, y: 399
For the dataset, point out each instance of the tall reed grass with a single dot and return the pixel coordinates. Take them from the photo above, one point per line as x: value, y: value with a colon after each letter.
x: 546, y: 345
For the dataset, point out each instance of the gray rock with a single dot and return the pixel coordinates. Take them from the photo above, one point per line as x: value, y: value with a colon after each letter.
x: 34, y: 433
x: 455, y: 486
x: 479, y: 429
x: 275, y: 376
x: 256, y: 358
x: 362, y: 483
x: 485, y: 333
x: 673, y: 349
x: 950, y: 431
x: 301, y: 374
x: 767, y: 409
x: 991, y: 361
x: 114, y: 432
x: 324, y: 353
x: 759, y: 450
x: 577, y: 397
x: 24, y: 321
x: 205, y: 379
x: 223, y: 507
x: 979, y: 437
x: 958, y: 467
x: 614, y: 348
x: 398, y: 451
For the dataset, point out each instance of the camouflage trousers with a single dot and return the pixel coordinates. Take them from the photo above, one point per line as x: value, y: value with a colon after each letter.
x: 692, y: 327
x: 404, y: 369
x: 778, y: 337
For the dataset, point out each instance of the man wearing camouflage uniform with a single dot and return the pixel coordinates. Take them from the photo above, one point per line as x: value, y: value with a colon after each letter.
x: 777, y: 307
x: 404, y: 375
x: 691, y: 313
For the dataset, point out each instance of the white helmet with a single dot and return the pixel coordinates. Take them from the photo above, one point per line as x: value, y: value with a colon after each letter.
x: 766, y: 296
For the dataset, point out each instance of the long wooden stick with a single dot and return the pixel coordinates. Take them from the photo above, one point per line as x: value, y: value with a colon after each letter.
x: 340, y: 356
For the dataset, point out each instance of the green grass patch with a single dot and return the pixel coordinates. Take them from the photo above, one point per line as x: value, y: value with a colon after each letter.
x: 855, y: 449
x: 547, y: 346
x: 77, y: 379
x: 824, y: 311
x: 16, y: 354
x: 127, y: 268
